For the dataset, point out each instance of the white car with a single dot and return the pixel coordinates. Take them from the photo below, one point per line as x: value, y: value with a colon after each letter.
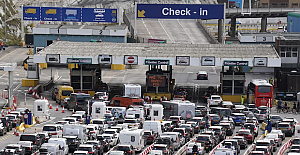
x: 100, y: 122
x: 112, y: 131
x: 79, y: 118
x: 214, y: 100
x: 93, y: 129
x: 55, y: 130
x: 227, y: 104
x: 113, y: 141
x: 189, y: 149
x: 131, y: 123
x: 101, y: 96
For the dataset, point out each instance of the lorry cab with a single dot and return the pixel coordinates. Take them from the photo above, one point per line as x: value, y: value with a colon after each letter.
x: 123, y: 101
x: 63, y: 92
x: 78, y: 101
x: 98, y: 110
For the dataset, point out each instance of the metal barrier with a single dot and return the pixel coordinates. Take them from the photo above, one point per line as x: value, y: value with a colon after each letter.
x: 204, y: 27
x: 213, y: 150
x: 285, y: 147
x: 147, y: 150
x: 107, y: 153
x: 249, y: 150
x: 183, y: 148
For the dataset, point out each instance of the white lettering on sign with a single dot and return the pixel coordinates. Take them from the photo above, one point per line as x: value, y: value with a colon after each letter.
x: 171, y: 12
x: 186, y: 12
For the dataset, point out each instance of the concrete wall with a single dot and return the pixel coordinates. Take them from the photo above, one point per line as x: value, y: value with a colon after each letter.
x: 40, y: 40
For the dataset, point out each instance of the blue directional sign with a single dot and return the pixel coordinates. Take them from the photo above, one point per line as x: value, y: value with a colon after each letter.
x: 31, y: 13
x: 99, y: 15
x: 71, y: 14
x: 181, y: 11
x: 50, y: 14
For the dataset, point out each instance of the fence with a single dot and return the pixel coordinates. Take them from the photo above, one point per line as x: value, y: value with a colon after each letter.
x: 207, y: 31
x: 285, y: 147
x: 213, y: 150
x: 182, y: 150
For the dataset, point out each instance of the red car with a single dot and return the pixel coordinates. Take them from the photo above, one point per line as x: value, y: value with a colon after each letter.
x: 247, y: 134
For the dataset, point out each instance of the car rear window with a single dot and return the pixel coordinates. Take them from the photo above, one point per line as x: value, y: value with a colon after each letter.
x: 159, y: 148
x: 109, y: 132
x: 216, y: 98
x: 203, y: 138
x: 27, y: 138
x: 130, y: 121
x: 85, y: 149
x: 123, y: 148
x: 49, y: 128
x: 296, y: 141
x: 97, y: 122
x: 178, y: 130
x: 262, y: 144
x: 243, y: 132
x: 283, y: 125
x: 66, y: 93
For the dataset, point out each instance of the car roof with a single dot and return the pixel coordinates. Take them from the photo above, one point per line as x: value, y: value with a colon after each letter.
x: 216, y: 127
x: 163, y: 145
x: 86, y: 145
x: 239, y: 137
x: 215, y: 96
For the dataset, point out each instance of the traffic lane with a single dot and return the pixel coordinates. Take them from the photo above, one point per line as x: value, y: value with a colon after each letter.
x: 175, y: 30
x: 7, y: 50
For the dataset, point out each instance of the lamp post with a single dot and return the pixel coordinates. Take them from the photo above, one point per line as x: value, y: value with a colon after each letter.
x: 5, y: 22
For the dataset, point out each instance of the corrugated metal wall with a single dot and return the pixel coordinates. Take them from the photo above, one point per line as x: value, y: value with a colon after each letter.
x: 41, y: 40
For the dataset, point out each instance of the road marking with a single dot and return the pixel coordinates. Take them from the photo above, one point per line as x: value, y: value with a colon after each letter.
x: 8, y: 54
x: 147, y: 28
x: 51, y: 119
x: 190, y: 72
x: 166, y: 31
x: 186, y: 31
x: 18, y: 86
x: 3, y: 74
x: 6, y: 137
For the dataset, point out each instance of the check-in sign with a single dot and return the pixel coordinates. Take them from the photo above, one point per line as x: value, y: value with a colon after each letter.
x: 181, y: 11
x: 79, y: 60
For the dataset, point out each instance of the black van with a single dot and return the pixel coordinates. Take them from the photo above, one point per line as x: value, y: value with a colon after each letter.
x: 78, y: 101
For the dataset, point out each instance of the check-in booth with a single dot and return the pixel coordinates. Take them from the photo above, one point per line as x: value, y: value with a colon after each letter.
x: 98, y: 110
x: 41, y: 110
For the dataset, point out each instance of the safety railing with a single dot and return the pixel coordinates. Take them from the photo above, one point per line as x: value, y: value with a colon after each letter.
x: 147, y: 150
x: 213, y: 150
x: 285, y: 147
x: 250, y: 148
x: 182, y: 150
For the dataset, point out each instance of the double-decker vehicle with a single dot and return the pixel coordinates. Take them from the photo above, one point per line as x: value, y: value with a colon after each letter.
x: 260, y: 93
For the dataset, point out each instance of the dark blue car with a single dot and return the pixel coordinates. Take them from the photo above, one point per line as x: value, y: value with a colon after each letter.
x: 238, y: 118
x: 215, y: 119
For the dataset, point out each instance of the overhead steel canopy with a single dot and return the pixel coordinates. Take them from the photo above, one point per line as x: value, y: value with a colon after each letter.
x: 143, y: 51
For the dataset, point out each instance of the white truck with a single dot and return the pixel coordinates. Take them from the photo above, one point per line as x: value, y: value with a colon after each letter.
x: 136, y: 113
x: 184, y: 109
x: 133, y: 137
x: 156, y: 112
x: 132, y: 90
x: 98, y: 110
x: 75, y: 130
x: 154, y: 126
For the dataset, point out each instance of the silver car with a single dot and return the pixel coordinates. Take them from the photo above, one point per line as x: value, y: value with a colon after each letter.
x: 261, y: 115
x: 277, y: 139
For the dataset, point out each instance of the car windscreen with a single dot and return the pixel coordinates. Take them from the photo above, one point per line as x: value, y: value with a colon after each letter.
x: 296, y: 141
x: 252, y: 106
x: 123, y: 148
x: 69, y: 120
x: 178, y: 130
x: 270, y: 136
x: 243, y: 132
x: 85, y: 149
x: 262, y: 149
x: 263, y: 112
x: 42, y: 136
x: 275, y: 117
x: 215, y: 117
x: 130, y: 121
x: 215, y: 98
x: 12, y: 147
x: 264, y: 89
x: 107, y: 137
x: 27, y: 138
x: 66, y: 93
x: 147, y: 133
x: 49, y: 128
x: 70, y: 140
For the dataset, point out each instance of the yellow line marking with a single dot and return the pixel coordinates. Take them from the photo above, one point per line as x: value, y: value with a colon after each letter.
x: 6, y: 137
x: 9, y: 53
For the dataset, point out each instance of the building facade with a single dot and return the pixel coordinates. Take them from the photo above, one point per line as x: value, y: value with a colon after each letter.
x: 279, y: 3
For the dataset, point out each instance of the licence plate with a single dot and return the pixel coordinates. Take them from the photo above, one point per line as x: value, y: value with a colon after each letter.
x: 283, y: 128
x: 217, y: 101
x: 228, y: 106
x: 202, y: 143
x: 215, y: 120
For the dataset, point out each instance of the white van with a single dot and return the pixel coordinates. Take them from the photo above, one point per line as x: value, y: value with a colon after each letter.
x: 297, y: 131
x: 54, y: 129
x: 175, y: 136
x: 155, y: 126
x: 156, y: 112
x: 132, y: 137
x: 75, y: 130
x: 52, y: 148
x: 223, y: 151
x: 98, y: 110
x: 62, y: 142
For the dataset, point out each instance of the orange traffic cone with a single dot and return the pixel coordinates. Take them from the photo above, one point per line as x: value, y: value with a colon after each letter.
x: 50, y: 105
x: 73, y: 111
x: 17, y: 134
x: 57, y: 107
x: 63, y: 111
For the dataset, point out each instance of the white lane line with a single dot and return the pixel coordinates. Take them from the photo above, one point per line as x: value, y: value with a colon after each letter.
x: 3, y: 75
x: 147, y: 28
x: 18, y: 86
x: 165, y: 31
x: 190, y: 72
x: 51, y: 119
x: 186, y: 31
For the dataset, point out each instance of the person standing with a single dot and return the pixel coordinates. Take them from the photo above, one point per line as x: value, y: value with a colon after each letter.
x: 1, y: 45
x: 242, y: 99
x: 271, y: 81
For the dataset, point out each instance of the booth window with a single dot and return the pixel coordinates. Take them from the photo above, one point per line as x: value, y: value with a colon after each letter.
x: 155, y: 112
x: 39, y: 108
x: 31, y: 67
x: 98, y: 110
x: 132, y: 139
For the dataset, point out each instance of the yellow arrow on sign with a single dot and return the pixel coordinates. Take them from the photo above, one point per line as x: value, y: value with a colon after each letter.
x: 141, y: 13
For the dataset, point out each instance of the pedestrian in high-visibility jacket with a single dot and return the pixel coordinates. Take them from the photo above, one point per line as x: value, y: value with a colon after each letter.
x: 242, y: 99
x: 271, y: 81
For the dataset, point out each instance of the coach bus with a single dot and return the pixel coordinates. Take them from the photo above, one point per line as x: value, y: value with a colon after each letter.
x: 260, y: 93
